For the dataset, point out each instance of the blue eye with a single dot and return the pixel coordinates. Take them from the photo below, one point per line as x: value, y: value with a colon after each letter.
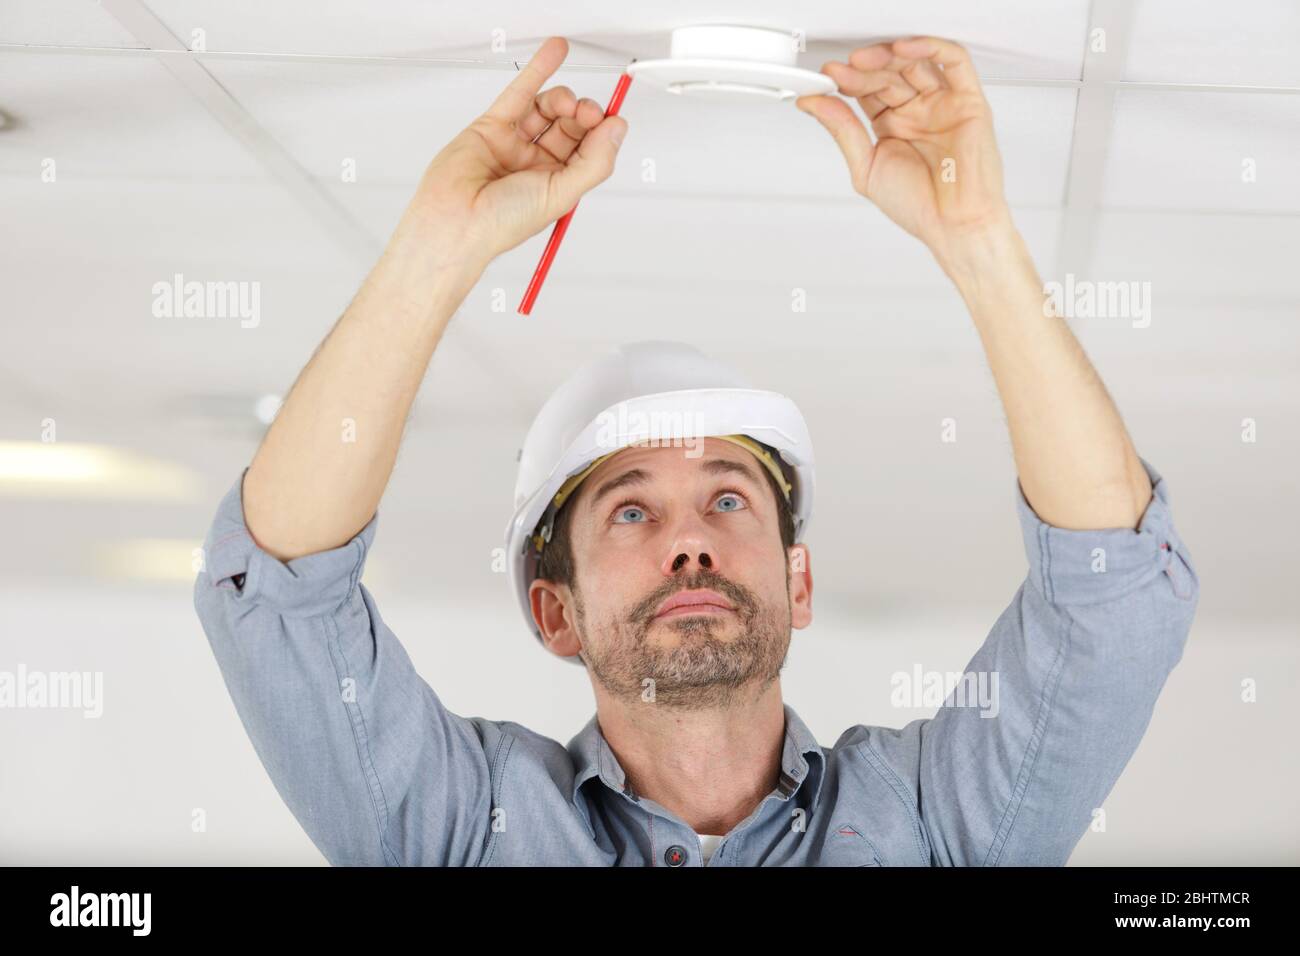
x: 632, y: 510
x: 737, y: 506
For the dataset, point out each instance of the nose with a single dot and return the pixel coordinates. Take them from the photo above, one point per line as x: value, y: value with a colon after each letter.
x: 683, y: 558
x: 691, y: 549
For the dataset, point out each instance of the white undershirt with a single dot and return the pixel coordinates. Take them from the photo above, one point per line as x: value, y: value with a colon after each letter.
x: 709, y: 843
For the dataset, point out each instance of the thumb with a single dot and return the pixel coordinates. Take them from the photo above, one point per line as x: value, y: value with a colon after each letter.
x: 847, y: 131
x: 589, y: 166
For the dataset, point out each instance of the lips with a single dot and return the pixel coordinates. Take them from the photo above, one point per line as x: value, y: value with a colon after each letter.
x: 695, y: 602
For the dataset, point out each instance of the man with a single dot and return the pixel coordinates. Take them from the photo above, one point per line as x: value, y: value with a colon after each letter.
x: 671, y: 568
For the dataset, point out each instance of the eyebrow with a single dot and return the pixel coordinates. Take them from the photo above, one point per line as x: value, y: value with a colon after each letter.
x: 639, y: 476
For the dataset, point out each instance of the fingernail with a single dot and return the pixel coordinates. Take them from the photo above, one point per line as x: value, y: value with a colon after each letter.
x: 616, y: 134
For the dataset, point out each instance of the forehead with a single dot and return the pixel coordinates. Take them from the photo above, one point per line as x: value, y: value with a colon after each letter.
x: 667, y: 461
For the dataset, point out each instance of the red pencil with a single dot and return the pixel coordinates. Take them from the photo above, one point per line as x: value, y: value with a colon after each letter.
x: 562, y: 225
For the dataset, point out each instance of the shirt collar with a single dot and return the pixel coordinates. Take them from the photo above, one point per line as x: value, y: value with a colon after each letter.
x: 802, y: 759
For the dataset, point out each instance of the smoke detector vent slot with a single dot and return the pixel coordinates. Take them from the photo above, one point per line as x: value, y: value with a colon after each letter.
x: 731, y: 62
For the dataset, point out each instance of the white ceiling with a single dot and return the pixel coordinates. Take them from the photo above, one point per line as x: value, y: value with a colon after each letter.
x: 226, y: 165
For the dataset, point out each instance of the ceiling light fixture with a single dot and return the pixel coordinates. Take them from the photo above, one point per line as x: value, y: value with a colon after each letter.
x: 733, y: 62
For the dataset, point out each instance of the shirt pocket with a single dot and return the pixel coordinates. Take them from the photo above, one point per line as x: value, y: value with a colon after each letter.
x: 846, y: 846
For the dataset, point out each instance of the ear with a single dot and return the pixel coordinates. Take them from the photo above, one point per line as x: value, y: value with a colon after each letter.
x: 551, y: 605
x: 801, y: 586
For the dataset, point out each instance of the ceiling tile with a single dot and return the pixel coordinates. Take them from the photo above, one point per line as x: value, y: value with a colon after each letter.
x: 1193, y: 151
x: 61, y: 23
x: 1244, y: 43
x: 109, y: 117
x: 1234, y: 258
x: 390, y: 119
x: 92, y: 253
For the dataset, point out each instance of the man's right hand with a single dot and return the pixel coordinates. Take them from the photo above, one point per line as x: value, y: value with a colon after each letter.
x: 492, y: 186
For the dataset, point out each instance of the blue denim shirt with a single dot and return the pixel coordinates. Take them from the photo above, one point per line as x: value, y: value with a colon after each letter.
x: 379, y: 772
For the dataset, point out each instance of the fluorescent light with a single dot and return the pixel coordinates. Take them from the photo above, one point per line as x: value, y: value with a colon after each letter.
x: 33, y: 469
x: 152, y: 559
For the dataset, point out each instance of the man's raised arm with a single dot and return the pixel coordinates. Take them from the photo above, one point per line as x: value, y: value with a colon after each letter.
x: 1078, y: 658
x: 361, y: 749
x: 490, y: 189
x: 935, y: 170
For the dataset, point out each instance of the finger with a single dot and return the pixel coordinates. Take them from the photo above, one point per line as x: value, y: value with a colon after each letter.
x: 958, y: 69
x: 590, y: 113
x: 867, y: 59
x: 589, y: 166
x: 552, y: 104
x: 893, y: 126
x: 923, y: 75
x: 847, y: 131
x: 892, y: 89
x: 562, y: 138
x: 873, y: 106
x: 517, y: 99
x: 874, y: 57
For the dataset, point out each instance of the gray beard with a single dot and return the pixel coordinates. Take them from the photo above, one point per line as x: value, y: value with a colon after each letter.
x: 703, y: 670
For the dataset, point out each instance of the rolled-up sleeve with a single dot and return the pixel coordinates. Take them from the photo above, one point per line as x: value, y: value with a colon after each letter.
x: 1078, y: 660
x: 360, y: 748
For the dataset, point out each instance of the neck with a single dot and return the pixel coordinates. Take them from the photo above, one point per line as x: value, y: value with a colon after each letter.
x: 711, y: 767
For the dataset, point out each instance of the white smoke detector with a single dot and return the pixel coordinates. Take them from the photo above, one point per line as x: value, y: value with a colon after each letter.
x: 730, y: 62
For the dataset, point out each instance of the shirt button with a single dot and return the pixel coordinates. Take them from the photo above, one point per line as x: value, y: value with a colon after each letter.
x: 675, y: 855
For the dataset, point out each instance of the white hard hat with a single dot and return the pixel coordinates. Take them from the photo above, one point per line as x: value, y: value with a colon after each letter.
x: 652, y: 392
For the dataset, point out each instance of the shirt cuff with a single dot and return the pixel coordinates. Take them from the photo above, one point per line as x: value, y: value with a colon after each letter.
x: 1094, y: 566
x: 307, y: 586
